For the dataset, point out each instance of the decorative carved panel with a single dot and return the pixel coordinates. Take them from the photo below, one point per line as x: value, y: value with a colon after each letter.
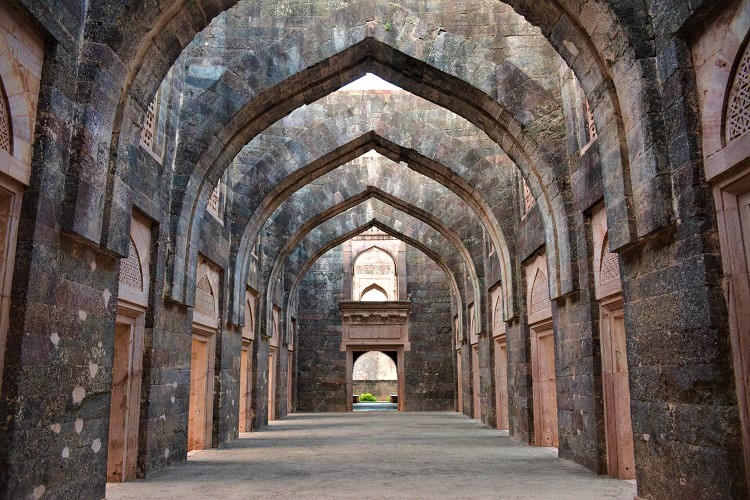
x: 610, y: 267
x: 6, y: 136
x: 214, y: 202
x: 148, y: 132
x: 458, y: 335
x: 375, y: 324
x: 590, y: 122
x: 498, y: 321
x: 539, y: 294
x: 248, y: 330
x: 275, y: 326
x: 528, y: 197
x: 606, y: 266
x: 204, y: 297
x: 539, y: 303
x: 131, y: 272
x: 738, y: 107
x: 373, y: 234
x: 473, y: 334
x: 135, y: 268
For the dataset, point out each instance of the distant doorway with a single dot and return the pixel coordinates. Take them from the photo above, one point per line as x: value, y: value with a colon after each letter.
x: 375, y: 381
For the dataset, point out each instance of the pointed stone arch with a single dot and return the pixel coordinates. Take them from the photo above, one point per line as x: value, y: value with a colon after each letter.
x: 413, y: 160
x: 372, y: 291
x: 358, y: 202
x: 456, y: 294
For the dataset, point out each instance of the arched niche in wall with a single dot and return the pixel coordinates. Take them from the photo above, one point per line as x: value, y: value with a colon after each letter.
x: 206, y: 322
x: 500, y: 344
x: 127, y: 368
x: 374, y: 270
x: 273, y: 361
x: 721, y: 54
x: 246, y: 362
x: 541, y: 330
x: 614, y: 359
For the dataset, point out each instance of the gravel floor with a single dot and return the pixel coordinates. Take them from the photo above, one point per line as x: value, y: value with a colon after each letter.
x: 375, y: 455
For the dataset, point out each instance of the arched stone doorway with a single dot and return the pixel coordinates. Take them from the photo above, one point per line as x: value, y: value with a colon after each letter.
x: 375, y: 374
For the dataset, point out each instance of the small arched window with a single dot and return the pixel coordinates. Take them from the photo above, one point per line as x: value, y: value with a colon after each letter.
x: 374, y: 269
x: 374, y: 293
x: 526, y: 201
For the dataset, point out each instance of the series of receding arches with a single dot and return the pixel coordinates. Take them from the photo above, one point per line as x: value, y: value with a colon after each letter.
x: 266, y: 166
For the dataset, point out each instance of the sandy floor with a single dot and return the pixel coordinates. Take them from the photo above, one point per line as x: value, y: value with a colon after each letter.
x: 375, y: 455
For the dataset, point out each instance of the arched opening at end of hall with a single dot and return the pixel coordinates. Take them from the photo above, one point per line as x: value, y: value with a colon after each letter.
x: 375, y: 381
x: 373, y: 293
x: 374, y: 272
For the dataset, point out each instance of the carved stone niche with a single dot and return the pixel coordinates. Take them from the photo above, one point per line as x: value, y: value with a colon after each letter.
x: 375, y: 324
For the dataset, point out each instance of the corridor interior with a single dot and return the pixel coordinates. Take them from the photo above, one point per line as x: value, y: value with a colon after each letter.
x: 375, y: 455
x: 375, y: 249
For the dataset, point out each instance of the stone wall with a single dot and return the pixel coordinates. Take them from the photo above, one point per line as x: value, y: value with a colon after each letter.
x: 429, y: 365
x: 321, y: 367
